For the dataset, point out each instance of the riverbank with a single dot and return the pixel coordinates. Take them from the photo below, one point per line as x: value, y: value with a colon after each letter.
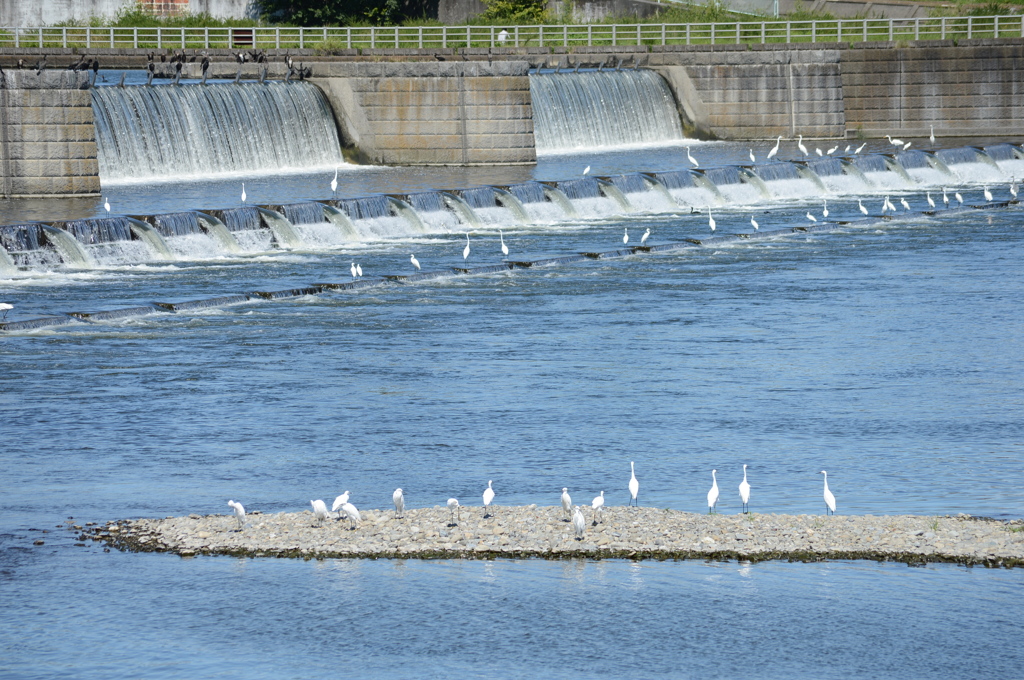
x: 544, y: 532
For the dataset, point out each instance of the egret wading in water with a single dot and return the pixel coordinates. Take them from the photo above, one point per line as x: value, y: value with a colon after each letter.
x: 634, y: 486
x: 775, y: 149
x: 243, y: 192
x: 352, y: 268
x: 931, y: 201
x: 488, y: 497
x: 359, y: 270
x: 824, y: 212
x: 586, y: 171
x: 567, y: 504
x: 1013, y: 188
x: 752, y: 159
x: 931, y: 135
x: 399, y: 501
x: 319, y: 511
x: 578, y: 523
x: 800, y: 144
x: 711, y: 220
x: 338, y: 502
x: 690, y: 158
x: 894, y: 142
x: 959, y: 199
x: 817, y: 150
x: 504, y: 248
x: 334, y: 182
x: 945, y: 199
x: 830, y: 500
x: 239, y: 513
x: 597, y: 505
x: 861, y: 206
x: 745, y: 491
x: 465, y: 251
x: 860, y: 148
x: 988, y: 194
x: 903, y: 202
x: 647, y: 234
x: 713, y: 493
x: 415, y: 262
x: 625, y: 236
x: 753, y: 223
x: 106, y: 205
x: 453, y: 509
x: 811, y: 217
x: 6, y: 307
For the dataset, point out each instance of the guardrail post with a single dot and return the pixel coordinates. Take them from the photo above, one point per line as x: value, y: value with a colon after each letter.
x: 590, y: 34
x: 712, y: 33
x: 995, y: 27
x: 789, y: 32
x: 615, y: 37
x: 970, y: 27
x: 88, y: 37
x: 663, y: 35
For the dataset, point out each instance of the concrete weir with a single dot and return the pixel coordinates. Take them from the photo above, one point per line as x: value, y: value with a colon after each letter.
x: 544, y: 532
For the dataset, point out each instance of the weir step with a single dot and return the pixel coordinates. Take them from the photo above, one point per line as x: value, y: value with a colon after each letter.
x: 419, y: 276
x: 289, y: 293
x: 203, y: 304
x: 32, y: 324
x: 114, y: 314
x: 352, y: 285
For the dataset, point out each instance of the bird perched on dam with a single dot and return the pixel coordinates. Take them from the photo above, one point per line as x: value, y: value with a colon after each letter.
x: 775, y: 149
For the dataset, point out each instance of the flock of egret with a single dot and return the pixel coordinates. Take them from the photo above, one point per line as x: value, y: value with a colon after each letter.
x: 574, y: 513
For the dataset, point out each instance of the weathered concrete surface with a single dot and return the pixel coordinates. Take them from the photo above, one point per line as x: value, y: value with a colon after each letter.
x: 543, y: 532
x: 47, y: 135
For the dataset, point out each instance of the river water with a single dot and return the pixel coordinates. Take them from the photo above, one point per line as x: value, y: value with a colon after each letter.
x: 887, y: 353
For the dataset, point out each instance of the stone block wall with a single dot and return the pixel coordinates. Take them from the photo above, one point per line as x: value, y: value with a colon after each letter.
x: 47, y: 135
x: 973, y: 88
x: 441, y: 113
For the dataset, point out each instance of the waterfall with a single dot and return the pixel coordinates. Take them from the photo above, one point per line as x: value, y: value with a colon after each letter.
x: 246, y: 228
x: 534, y: 198
x: 171, y: 131
x: 603, y: 109
x: 374, y: 217
x: 433, y: 212
x: 732, y: 185
x: 484, y: 203
x: 689, y: 188
x: 26, y: 245
x: 638, y: 190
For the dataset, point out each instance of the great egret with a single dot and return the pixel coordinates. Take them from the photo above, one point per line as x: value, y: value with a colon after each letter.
x: 824, y: 212
x: 634, y: 486
x: 597, y: 505
x: 106, y: 204
x: 1013, y: 187
x: 465, y: 251
x: 504, y: 248
x: 415, y: 262
x: 239, y: 513
x: 988, y: 194
x: 359, y: 270
x: 903, y: 202
x: 894, y: 142
x: 818, y: 150
x: 931, y: 201
x: 848, y: 147
x: 931, y: 136
x: 334, y: 182
x: 567, y: 503
x: 861, y: 206
x: 811, y: 217
x: 352, y: 513
x: 907, y: 145
x: 399, y: 501
x: 713, y: 493
x: 861, y: 147
x: 745, y: 491
x: 752, y: 159
x: 586, y: 170
x: 578, y: 523
x: 352, y: 268
x: 892, y: 208
x: 959, y: 198
x: 339, y: 501
x: 647, y: 234
x: 488, y: 497
x: 945, y: 198
x: 319, y: 511
x: 711, y: 220
x: 243, y: 192
x: 753, y: 222
x: 832, y: 150
x: 690, y: 158
x: 453, y: 509
x: 775, y: 149
x: 6, y: 307
x: 800, y: 144
x: 625, y: 236
x: 830, y: 500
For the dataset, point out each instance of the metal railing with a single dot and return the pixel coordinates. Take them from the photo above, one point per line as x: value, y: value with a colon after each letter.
x: 589, y: 35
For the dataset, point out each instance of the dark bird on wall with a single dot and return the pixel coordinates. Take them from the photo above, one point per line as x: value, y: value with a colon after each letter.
x: 206, y: 67
x: 288, y: 60
x: 177, y: 73
x: 21, y: 63
x: 40, y: 65
x: 95, y: 70
x: 152, y: 72
x: 163, y: 57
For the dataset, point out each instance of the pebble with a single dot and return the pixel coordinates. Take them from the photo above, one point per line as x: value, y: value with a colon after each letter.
x: 540, y: 532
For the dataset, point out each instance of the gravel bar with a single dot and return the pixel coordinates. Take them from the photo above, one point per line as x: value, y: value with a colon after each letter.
x: 544, y: 532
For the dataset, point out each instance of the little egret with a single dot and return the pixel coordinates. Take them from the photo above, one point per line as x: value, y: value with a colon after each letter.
x: 811, y: 217
x: 861, y: 147
x: 352, y: 513
x: 945, y: 198
x: 399, y: 501
x: 848, y: 147
x: 334, y: 182
x: 745, y: 491
x: 713, y: 493
x: 586, y: 170
x: 690, y: 158
x: 339, y: 501
x: 824, y: 212
x: 959, y: 198
x: 597, y: 505
x: 647, y: 234
x: 488, y: 497
x: 465, y: 251
x: 907, y: 145
x: 567, y: 503
x: 894, y: 142
x: 453, y: 509
x: 903, y: 202
x: 711, y: 220
x: 415, y: 262
x: 931, y: 136
x: 861, y: 206
x: 775, y: 149
x: 752, y: 159
x: 988, y: 194
x: 106, y: 205
x: 625, y: 236
x: 800, y: 144
x: 6, y: 307
x: 634, y: 486
x: 931, y: 201
x: 239, y: 513
x: 832, y: 150
x: 243, y: 192
x: 753, y: 222
x: 504, y: 248
x: 319, y: 511
x: 830, y: 500
x: 578, y: 523
x: 359, y: 270
x: 818, y: 150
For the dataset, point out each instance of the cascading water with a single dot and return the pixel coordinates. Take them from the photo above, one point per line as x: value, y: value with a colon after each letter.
x: 733, y: 187
x: 374, y: 218
x: 970, y: 164
x: 170, y: 132
x: 602, y: 109
x: 312, y: 225
x: 109, y: 240
x: 433, y: 211
x: 785, y: 180
x: 689, y: 188
x: 26, y: 245
x: 883, y: 173
x: 923, y: 168
x: 637, y: 190
x: 534, y: 200
x: 588, y: 199
x: 246, y: 228
x: 185, y: 236
x: 1008, y: 157
x: 485, y: 205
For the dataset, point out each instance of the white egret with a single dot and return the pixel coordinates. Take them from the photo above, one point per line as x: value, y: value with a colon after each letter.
x: 106, y: 205
x: 598, y: 506
x: 690, y: 158
x: 945, y: 198
x: 647, y: 235
x: 488, y: 497
x: 907, y: 145
x: 848, y: 147
x: 415, y: 262
x: 832, y: 150
x: 894, y: 142
x: 239, y: 513
x: 811, y: 217
x: 818, y: 150
x: 824, y: 212
x: 567, y: 503
x: 775, y: 149
x: 319, y: 511
x: 892, y: 208
x: 465, y: 251
x: 745, y: 491
x: 625, y: 236
x: 931, y: 136
x: 861, y: 147
x: 6, y: 307
x: 713, y: 493
x: 752, y: 159
x: 578, y: 523
x: 334, y: 182
x: 339, y: 501
x: 959, y: 198
x: 711, y: 220
x: 243, y: 192
x: 352, y: 268
x: 753, y: 223
x: 504, y: 248
x: 634, y: 486
x: 1013, y: 187
x: 800, y: 144
x: 352, y: 513
x: 359, y: 270
x: 399, y: 500
x: 861, y: 206
x: 453, y: 509
x: 903, y: 202
x: 830, y: 500
x: 586, y: 170
x: 988, y: 194
x: 931, y: 201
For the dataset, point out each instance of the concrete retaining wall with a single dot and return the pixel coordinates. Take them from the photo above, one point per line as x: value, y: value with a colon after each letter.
x: 47, y: 135
x: 451, y: 113
x: 48, y: 12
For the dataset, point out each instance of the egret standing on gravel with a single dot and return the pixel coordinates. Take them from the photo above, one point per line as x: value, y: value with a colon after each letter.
x: 239, y: 513
x: 319, y: 511
x: 713, y: 493
x: 711, y: 220
x: 415, y: 262
x: 830, y: 500
x: 339, y: 501
x: 597, y: 505
x: 634, y: 486
x: 488, y: 497
x: 399, y: 501
x: 453, y: 508
x: 775, y: 149
x: 578, y: 523
x: 745, y: 491
x: 567, y: 503
x: 352, y: 513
